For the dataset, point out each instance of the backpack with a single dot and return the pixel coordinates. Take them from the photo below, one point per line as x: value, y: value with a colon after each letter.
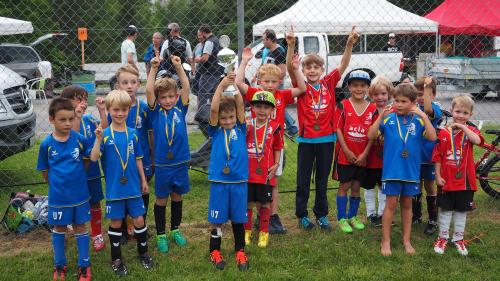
x: 24, y: 212
x: 177, y: 47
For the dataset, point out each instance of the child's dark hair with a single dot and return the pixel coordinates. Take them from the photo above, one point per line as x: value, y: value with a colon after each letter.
x: 227, y: 105
x: 270, y: 34
x: 406, y: 90
x: 419, y: 84
x: 58, y: 104
x: 205, y: 28
x: 74, y: 93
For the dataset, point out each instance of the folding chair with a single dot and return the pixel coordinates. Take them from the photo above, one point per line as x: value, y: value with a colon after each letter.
x: 36, y: 86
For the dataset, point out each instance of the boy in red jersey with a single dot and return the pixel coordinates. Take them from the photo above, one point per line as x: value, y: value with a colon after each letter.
x: 316, y: 138
x: 354, y: 118
x: 455, y: 174
x: 264, y: 145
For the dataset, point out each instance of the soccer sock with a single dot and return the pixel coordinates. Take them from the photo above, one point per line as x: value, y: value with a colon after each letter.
x: 82, y: 243
x: 175, y: 214
x: 141, y: 236
x: 370, y: 201
x: 459, y: 220
x: 216, y: 239
x: 160, y: 220
x: 265, y: 215
x: 353, y: 206
x: 431, y: 207
x: 341, y: 207
x: 381, y: 202
x: 239, y: 236
x: 95, y: 222
x: 416, y: 206
x: 115, y: 235
x: 58, y: 246
x: 444, y: 223
x: 145, y: 199
x: 248, y: 224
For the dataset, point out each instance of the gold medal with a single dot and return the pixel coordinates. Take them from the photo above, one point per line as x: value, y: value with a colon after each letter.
x: 380, y: 153
x: 458, y: 175
x: 258, y: 171
x: 123, y: 180
x: 316, y: 127
x: 170, y: 155
x: 226, y: 170
x: 124, y: 164
x: 405, y: 153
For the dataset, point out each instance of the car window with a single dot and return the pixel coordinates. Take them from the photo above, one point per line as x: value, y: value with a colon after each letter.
x: 15, y: 54
x: 311, y: 45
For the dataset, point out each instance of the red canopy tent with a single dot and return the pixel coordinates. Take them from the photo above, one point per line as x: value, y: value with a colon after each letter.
x: 479, y: 17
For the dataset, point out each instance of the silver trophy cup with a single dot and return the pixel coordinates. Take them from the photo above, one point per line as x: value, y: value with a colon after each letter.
x: 227, y: 58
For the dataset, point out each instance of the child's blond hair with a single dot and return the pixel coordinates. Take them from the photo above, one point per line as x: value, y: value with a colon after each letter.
x: 463, y: 100
x: 312, y: 59
x: 128, y: 68
x: 381, y: 81
x: 163, y: 85
x: 118, y: 98
x: 269, y: 70
x: 419, y: 84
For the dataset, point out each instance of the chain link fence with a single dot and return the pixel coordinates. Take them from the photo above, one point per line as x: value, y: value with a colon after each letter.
x: 39, y: 42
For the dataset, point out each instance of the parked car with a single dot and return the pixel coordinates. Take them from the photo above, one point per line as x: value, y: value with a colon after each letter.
x: 17, y: 118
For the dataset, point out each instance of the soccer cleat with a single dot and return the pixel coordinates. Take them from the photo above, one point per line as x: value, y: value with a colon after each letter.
x: 324, y: 223
x: 378, y: 222
x: 242, y: 260
x: 306, y: 223
x: 179, y: 239
x: 263, y: 239
x: 356, y: 223
x: 162, y: 243
x: 431, y: 228
x: 373, y: 219
x: 98, y: 243
x: 146, y: 261
x: 416, y: 220
x: 248, y: 237
x: 440, y: 245
x: 217, y: 259
x: 460, y: 245
x: 84, y: 274
x: 59, y: 273
x: 344, y: 226
x: 119, y: 268
x: 275, y: 225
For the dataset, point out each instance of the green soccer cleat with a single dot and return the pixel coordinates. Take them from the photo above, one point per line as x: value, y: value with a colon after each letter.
x: 162, y: 243
x: 356, y: 223
x: 344, y: 226
x: 179, y: 239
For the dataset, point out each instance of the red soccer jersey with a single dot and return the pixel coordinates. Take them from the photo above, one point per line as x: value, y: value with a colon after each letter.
x: 316, y: 108
x: 462, y: 177
x: 282, y: 98
x: 375, y: 156
x: 354, y: 128
x: 272, y: 143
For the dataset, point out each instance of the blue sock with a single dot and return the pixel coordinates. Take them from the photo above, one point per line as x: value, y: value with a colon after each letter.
x: 58, y: 246
x: 341, y: 207
x: 353, y: 206
x: 82, y: 243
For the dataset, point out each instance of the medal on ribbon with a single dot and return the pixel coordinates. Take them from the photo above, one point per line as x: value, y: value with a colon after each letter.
x: 227, y: 141
x: 317, y: 106
x: 170, y: 140
x: 405, y: 153
x: 261, y: 146
x: 454, y: 149
x: 124, y: 164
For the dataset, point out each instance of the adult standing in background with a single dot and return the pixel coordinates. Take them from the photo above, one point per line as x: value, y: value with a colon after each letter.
x: 152, y: 49
x: 391, y: 45
x: 197, y: 53
x: 128, y: 52
x: 175, y: 45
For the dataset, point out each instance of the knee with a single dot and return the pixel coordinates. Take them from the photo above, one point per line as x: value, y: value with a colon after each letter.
x: 79, y: 228
x: 175, y: 197
x: 161, y: 201
x: 139, y: 221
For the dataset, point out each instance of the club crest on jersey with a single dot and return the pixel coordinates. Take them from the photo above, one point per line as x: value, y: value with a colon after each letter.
x: 139, y: 122
x: 233, y: 135
x: 278, y: 102
x: 369, y: 118
x: 76, y: 154
x: 176, y: 118
x: 411, y: 129
x: 131, y: 147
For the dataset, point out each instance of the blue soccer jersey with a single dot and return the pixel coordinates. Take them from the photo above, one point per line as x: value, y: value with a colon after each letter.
x: 402, y: 161
x: 429, y: 145
x: 66, y: 170
x: 229, y: 156
x: 88, y: 125
x: 121, y: 183
x: 170, y: 134
x: 139, y: 120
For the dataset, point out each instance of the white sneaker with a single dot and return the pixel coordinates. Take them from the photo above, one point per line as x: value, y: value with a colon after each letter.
x: 461, y: 247
x: 440, y: 245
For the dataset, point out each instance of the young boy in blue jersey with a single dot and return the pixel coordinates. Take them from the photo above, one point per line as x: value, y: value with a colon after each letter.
x: 61, y: 160
x: 121, y: 157
x: 86, y: 124
x: 404, y: 131
x: 426, y: 87
x: 228, y: 173
x: 167, y: 110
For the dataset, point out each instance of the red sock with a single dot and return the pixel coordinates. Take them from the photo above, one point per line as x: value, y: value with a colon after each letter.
x: 265, y: 214
x: 95, y: 222
x: 248, y: 224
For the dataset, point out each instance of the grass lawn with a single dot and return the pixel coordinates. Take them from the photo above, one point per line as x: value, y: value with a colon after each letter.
x: 298, y: 255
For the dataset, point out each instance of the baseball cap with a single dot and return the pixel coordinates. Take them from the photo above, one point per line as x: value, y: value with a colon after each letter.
x: 392, y: 35
x: 263, y: 97
x: 359, y: 75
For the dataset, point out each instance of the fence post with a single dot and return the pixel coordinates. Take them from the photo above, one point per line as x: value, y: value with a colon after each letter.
x: 240, y: 19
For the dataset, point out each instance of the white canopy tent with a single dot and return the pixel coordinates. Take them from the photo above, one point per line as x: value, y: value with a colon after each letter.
x: 10, y: 26
x: 336, y: 17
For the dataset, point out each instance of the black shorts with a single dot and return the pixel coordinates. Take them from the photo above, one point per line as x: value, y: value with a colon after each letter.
x: 373, y: 177
x: 347, y: 173
x: 262, y: 193
x: 460, y: 201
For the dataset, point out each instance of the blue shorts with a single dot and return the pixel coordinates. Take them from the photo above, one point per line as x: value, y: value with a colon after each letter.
x: 117, y: 209
x: 227, y: 201
x: 95, y: 190
x: 400, y: 188
x: 148, y: 171
x: 69, y: 215
x: 427, y: 172
x: 171, y: 179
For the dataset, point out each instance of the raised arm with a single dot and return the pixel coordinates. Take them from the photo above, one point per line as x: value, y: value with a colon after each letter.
x: 301, y: 82
x: 471, y: 135
x: 346, y: 57
x: 246, y: 56
x: 428, y: 97
x: 430, y: 132
x: 150, y: 83
x: 186, y: 90
x: 214, y: 106
x: 101, y: 107
x: 95, y: 154
x: 290, y: 40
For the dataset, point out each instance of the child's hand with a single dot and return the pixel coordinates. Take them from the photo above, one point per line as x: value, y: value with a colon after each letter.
x: 417, y: 111
x: 290, y: 37
x: 228, y: 80
x: 155, y: 62
x: 79, y: 110
x: 295, y: 62
x: 353, y: 36
x: 361, y: 160
x: 440, y: 181
x: 144, y: 186
x: 246, y: 55
x: 98, y: 133
x: 176, y: 61
x: 428, y: 80
x: 387, y: 110
x: 100, y: 103
x: 271, y: 172
x: 457, y: 126
x: 351, y: 157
